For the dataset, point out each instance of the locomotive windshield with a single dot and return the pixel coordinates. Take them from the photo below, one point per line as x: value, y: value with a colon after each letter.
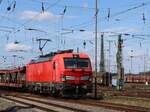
x: 76, y: 62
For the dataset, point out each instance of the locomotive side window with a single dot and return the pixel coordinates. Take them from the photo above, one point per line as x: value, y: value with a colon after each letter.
x: 76, y: 62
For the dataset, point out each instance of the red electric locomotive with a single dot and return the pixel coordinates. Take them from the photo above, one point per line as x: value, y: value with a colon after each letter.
x: 60, y: 73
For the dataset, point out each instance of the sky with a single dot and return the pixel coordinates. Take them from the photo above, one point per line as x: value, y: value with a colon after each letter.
x: 70, y: 23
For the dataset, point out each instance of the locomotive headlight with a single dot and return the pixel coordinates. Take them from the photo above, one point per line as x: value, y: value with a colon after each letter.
x: 90, y: 79
x: 86, y: 78
x: 65, y: 78
x: 85, y: 86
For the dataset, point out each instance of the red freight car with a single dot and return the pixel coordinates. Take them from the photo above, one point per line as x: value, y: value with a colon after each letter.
x: 61, y: 73
x: 137, y: 79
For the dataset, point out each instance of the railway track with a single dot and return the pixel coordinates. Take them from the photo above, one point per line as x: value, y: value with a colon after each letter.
x: 120, y: 107
x: 50, y: 101
x: 113, y: 106
x: 128, y: 92
x: 44, y: 106
x: 132, y: 97
x: 86, y: 102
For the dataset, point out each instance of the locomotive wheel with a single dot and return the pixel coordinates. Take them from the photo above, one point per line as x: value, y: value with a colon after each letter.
x: 55, y: 92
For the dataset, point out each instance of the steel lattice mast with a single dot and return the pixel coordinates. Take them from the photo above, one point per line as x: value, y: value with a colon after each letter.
x: 102, y: 59
x: 120, y: 69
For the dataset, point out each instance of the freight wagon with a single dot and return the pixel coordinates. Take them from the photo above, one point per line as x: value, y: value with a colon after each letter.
x: 137, y: 79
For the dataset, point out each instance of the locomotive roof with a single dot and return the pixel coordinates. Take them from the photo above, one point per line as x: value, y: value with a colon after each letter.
x: 49, y: 56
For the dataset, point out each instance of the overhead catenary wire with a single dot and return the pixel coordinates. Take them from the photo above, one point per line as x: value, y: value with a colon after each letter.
x: 84, y: 24
x: 69, y: 6
x: 113, y: 15
x: 130, y: 9
x: 143, y: 4
x: 89, y: 22
x: 30, y: 20
x: 51, y: 5
x: 11, y: 20
x: 7, y: 27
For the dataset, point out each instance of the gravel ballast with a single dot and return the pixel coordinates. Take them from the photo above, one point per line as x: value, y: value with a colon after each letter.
x: 9, y: 106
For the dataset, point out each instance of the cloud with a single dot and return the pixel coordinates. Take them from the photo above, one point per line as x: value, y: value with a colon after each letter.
x: 12, y: 47
x: 37, y: 16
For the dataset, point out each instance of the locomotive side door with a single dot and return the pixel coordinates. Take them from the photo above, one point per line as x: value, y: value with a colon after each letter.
x: 55, y: 70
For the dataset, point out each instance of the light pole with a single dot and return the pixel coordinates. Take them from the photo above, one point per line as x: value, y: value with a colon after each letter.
x: 21, y: 60
x: 102, y: 61
x: 109, y: 60
x: 96, y: 13
x: 109, y: 55
x: 131, y: 57
x: 62, y: 25
x: 14, y: 56
x: 144, y: 64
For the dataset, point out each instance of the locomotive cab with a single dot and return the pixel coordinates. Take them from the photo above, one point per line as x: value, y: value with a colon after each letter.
x: 76, y: 74
x: 76, y: 70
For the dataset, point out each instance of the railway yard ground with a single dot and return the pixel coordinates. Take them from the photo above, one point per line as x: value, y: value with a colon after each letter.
x: 128, y: 100
x: 25, y: 103
x: 10, y: 106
